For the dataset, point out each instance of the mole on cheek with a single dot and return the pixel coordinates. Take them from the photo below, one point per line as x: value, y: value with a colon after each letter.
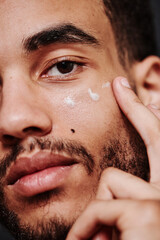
x: 72, y: 130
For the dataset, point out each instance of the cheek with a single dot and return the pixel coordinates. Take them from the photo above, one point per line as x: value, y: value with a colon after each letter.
x: 89, y: 112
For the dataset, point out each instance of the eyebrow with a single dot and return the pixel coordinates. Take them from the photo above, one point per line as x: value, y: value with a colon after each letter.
x: 65, y: 34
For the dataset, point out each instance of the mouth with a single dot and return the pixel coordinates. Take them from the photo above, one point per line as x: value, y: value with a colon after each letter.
x: 40, y: 173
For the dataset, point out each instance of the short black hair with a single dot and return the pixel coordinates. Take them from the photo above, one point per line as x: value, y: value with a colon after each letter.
x: 133, y: 28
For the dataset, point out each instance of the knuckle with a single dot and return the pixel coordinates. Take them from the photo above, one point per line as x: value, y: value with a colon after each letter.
x: 151, y: 211
x: 108, y: 173
x: 93, y: 208
x: 93, y: 204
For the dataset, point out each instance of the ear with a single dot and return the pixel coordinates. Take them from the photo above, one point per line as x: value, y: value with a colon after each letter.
x: 146, y: 76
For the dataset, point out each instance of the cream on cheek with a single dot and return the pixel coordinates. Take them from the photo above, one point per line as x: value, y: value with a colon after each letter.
x: 71, y: 100
x: 81, y: 111
x: 94, y: 96
x: 106, y: 85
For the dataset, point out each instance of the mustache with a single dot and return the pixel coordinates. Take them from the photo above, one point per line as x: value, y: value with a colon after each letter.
x: 73, y: 149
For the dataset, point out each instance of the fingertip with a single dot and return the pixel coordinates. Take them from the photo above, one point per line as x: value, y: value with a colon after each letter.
x: 120, y: 89
x: 116, y: 82
x: 121, y: 82
x: 153, y: 106
x: 117, y: 79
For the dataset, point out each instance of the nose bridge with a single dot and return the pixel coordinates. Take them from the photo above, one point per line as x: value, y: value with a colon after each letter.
x: 16, y: 96
x: 19, y: 110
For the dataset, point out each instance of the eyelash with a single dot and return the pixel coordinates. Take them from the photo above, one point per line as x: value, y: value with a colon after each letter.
x: 66, y: 76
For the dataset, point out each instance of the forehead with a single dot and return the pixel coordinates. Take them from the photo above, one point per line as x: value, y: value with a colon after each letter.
x: 21, y: 17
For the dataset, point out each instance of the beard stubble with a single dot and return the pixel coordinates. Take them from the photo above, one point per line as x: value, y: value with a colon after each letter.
x: 126, y: 153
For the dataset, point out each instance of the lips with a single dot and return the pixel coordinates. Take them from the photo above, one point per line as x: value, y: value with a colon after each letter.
x: 40, y: 173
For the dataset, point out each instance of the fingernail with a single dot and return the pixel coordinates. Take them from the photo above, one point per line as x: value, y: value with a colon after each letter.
x: 153, y: 106
x: 125, y: 83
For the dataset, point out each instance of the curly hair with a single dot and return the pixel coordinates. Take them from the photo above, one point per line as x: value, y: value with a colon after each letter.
x: 132, y: 24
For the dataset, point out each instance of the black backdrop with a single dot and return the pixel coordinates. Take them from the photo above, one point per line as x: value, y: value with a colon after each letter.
x: 156, y: 10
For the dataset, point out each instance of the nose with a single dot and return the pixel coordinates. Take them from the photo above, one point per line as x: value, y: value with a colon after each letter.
x: 22, y: 113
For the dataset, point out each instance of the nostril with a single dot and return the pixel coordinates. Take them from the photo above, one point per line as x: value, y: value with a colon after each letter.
x: 32, y: 130
x: 9, y: 140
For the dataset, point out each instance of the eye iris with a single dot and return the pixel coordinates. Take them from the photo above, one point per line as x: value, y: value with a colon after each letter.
x: 65, y: 67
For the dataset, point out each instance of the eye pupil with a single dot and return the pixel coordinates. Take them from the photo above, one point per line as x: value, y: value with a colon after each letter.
x: 65, y: 67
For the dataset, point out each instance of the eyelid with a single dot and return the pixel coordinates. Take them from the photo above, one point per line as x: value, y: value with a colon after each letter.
x: 81, y: 62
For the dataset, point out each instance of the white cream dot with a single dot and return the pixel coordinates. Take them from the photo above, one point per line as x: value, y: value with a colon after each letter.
x: 94, y: 96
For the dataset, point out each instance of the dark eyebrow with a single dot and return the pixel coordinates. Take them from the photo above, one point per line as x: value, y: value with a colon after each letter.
x: 65, y: 33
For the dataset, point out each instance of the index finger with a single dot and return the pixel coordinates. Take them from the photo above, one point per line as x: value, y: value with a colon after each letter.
x: 144, y: 121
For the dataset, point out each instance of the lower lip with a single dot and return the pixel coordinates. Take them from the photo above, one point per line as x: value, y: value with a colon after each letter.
x: 42, y: 181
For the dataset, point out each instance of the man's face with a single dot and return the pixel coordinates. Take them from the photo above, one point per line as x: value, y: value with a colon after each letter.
x: 60, y: 125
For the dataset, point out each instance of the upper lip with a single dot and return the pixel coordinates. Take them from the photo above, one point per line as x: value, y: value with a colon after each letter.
x: 42, y: 160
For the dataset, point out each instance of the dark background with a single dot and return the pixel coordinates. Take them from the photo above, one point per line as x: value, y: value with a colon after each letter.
x: 156, y: 10
x: 155, y: 4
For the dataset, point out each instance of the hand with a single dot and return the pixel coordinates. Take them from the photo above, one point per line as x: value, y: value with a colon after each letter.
x: 127, y: 209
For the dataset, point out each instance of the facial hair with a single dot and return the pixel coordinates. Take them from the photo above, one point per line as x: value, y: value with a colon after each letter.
x: 129, y: 154
x: 56, y: 228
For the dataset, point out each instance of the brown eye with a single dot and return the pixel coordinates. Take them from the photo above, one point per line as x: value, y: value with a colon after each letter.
x: 65, y: 67
x: 61, y: 68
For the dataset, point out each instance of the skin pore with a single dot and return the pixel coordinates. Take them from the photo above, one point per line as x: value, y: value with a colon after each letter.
x: 44, y: 39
